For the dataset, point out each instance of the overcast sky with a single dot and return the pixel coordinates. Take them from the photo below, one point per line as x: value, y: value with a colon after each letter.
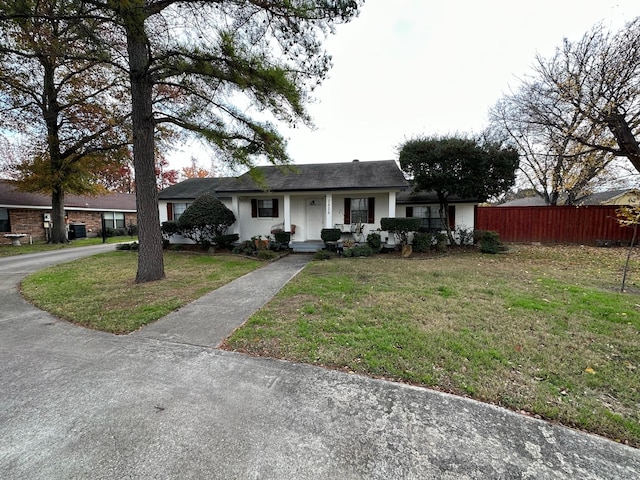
x: 412, y: 67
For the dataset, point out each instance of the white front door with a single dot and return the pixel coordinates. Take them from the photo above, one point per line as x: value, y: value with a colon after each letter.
x: 315, y: 218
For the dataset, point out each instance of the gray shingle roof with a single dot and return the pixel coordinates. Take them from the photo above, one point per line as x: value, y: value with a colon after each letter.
x: 408, y: 197
x: 192, y: 188
x: 355, y: 175
x: 10, y: 196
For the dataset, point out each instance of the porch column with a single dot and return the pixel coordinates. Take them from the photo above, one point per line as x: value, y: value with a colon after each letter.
x: 328, y: 202
x: 287, y: 213
x: 392, y: 204
x: 235, y: 208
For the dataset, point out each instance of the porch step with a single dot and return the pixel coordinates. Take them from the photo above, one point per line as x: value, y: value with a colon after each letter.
x: 310, y: 246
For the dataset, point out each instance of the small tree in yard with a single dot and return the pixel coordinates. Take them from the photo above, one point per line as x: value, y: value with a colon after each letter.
x: 628, y: 217
x: 205, y: 219
x: 471, y: 168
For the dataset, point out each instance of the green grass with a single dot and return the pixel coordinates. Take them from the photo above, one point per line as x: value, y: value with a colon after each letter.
x: 7, y: 250
x: 540, y: 329
x: 99, y: 292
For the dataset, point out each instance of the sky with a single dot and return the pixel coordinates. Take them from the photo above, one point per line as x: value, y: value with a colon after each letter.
x: 404, y: 68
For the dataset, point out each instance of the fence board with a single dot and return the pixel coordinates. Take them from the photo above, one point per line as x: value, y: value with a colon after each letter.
x: 584, y: 225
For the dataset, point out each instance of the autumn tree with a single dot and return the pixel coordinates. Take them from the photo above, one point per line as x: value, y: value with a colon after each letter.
x: 59, y: 99
x: 585, y: 99
x: 195, y: 170
x: 219, y: 69
x: 471, y: 168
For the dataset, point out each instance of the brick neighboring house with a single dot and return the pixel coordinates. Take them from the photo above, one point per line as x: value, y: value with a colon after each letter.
x: 23, y: 212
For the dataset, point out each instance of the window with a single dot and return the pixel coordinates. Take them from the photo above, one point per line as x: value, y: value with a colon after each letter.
x: 431, y: 216
x: 359, y: 210
x: 178, y: 210
x: 114, y: 220
x: 5, y: 226
x: 264, y: 208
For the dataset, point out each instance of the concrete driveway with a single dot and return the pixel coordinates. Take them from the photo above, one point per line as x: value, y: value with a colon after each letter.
x: 81, y: 404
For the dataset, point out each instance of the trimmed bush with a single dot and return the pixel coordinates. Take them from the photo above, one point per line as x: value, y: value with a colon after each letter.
x: 226, y: 241
x: 358, y: 251
x: 323, y: 255
x: 170, y: 228
x: 206, y: 218
x: 330, y: 234
x: 401, y: 227
x: 488, y: 241
x: 374, y: 241
x: 266, y: 255
x: 282, y: 237
x: 422, y: 242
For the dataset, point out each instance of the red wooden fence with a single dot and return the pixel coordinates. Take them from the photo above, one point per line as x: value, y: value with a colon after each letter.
x: 588, y: 225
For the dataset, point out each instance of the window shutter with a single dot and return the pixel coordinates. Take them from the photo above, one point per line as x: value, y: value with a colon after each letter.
x: 276, y: 212
x: 254, y: 207
x: 170, y: 211
x: 372, y: 210
x: 347, y: 210
x: 452, y: 216
x: 409, y: 212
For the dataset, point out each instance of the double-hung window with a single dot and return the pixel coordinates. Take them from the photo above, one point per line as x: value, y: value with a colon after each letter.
x: 114, y: 220
x: 359, y: 210
x: 430, y: 216
x: 264, y: 208
x: 178, y: 210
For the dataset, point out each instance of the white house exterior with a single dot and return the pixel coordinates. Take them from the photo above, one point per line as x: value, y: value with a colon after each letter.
x: 304, y: 199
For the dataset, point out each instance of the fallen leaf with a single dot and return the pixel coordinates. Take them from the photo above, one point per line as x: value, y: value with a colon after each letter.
x: 590, y: 370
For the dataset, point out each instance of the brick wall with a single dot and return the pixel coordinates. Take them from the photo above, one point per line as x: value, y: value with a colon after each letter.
x: 31, y: 222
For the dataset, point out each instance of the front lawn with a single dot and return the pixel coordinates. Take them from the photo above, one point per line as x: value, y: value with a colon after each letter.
x: 99, y: 291
x: 540, y: 329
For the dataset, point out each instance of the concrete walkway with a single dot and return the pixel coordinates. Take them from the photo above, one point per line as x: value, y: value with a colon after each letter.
x: 157, y: 404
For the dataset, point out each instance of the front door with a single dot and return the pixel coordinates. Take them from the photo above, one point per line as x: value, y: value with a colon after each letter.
x: 315, y: 218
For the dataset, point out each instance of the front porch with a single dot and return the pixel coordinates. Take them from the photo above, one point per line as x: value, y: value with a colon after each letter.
x: 309, y: 246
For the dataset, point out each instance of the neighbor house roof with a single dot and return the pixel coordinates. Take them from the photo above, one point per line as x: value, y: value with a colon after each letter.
x: 11, y: 197
x: 608, y: 197
x: 377, y: 175
x: 524, y: 202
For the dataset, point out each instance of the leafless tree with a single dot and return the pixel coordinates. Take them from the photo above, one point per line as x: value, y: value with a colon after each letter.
x: 577, y: 114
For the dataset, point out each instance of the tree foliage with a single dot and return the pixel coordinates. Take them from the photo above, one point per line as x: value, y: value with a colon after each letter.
x: 468, y: 168
x: 58, y: 100
x: 577, y: 112
x: 205, y: 219
x: 221, y: 70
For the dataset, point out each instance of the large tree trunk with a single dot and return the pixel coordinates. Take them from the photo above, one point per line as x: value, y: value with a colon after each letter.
x: 59, y: 229
x: 150, y: 260
x: 51, y: 117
